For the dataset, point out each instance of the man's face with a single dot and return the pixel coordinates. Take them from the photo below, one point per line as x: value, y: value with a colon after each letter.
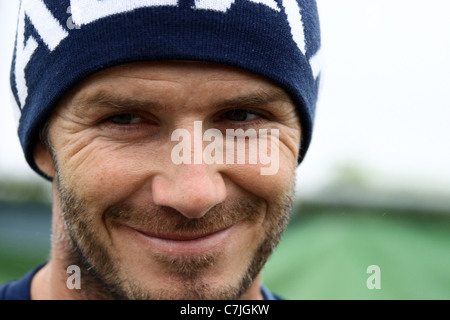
x: 146, y: 227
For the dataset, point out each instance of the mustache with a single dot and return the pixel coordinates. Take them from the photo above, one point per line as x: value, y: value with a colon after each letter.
x: 161, y: 219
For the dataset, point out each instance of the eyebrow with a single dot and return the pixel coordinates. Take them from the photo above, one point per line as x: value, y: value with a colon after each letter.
x: 259, y: 98
x: 253, y: 99
x: 104, y: 99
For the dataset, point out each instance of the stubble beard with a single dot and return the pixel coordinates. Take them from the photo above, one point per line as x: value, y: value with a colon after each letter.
x: 100, y: 274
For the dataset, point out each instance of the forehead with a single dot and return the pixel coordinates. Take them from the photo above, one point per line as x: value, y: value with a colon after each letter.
x: 192, y: 76
x: 175, y: 69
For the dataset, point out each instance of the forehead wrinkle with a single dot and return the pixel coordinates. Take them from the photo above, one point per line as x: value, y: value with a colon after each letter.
x: 106, y: 99
x: 101, y: 98
x: 257, y: 98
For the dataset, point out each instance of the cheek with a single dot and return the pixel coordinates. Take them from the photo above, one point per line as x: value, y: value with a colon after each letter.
x: 270, y: 187
x: 274, y: 173
x: 103, y: 173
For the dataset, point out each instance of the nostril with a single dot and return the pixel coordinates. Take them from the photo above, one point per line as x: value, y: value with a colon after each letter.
x: 191, y: 196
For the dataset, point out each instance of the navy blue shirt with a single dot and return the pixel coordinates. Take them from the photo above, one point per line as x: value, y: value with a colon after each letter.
x: 21, y: 289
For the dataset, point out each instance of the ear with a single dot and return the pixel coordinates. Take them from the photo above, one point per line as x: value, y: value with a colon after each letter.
x: 43, y: 159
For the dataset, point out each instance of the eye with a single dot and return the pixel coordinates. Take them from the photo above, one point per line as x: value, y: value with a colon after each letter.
x: 126, y: 119
x: 240, y: 115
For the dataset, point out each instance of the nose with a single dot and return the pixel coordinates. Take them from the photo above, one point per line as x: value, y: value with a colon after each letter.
x: 191, y: 189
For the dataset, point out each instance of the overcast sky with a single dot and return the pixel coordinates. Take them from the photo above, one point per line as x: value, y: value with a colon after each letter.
x: 385, y: 99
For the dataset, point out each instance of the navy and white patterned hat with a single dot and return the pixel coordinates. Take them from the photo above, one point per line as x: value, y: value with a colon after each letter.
x: 61, y: 42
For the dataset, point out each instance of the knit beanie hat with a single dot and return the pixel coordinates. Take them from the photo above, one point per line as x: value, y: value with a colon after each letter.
x: 61, y: 42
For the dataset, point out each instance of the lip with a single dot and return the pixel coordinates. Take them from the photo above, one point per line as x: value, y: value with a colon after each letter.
x: 183, y: 244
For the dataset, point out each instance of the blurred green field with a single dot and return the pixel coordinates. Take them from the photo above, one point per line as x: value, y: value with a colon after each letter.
x: 325, y: 253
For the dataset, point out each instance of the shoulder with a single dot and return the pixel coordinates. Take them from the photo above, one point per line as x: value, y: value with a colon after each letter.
x: 19, y: 289
x: 268, y: 295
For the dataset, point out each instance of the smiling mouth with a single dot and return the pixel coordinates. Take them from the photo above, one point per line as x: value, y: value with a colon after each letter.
x: 184, y: 243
